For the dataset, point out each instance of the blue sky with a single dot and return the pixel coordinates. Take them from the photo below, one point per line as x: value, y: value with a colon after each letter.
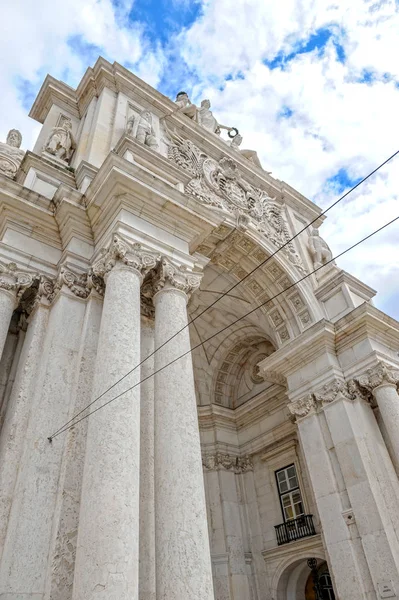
x: 312, y: 86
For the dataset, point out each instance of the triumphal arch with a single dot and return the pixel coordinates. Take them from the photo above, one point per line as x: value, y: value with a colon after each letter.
x: 196, y: 402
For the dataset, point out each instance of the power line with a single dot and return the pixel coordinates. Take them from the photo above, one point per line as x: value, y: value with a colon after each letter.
x: 68, y: 426
x: 233, y: 287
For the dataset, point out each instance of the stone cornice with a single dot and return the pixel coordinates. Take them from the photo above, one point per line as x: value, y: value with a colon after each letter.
x: 330, y: 286
x: 363, y: 322
x: 122, y: 183
x: 52, y: 92
x: 318, y: 338
x: 43, y: 165
x: 12, y: 190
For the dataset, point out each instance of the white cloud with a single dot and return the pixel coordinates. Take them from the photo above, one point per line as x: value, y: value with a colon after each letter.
x: 58, y: 37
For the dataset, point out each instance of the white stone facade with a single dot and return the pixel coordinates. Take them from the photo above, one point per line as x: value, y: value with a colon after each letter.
x: 128, y: 219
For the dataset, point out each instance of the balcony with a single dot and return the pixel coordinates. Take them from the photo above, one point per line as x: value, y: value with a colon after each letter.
x: 295, y: 529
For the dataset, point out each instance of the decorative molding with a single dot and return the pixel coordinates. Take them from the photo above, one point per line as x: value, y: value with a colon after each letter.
x: 219, y: 185
x: 331, y: 391
x: 147, y: 308
x: 14, y: 280
x: 180, y: 278
x: 274, y: 377
x: 133, y: 255
x: 80, y: 284
x: 214, y: 462
x: 302, y: 407
x: 379, y: 375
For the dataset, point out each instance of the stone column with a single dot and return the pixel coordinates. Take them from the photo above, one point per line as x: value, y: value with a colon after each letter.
x: 147, y: 499
x: 23, y: 569
x: 382, y: 382
x: 12, y: 284
x: 183, y: 565
x: 369, y: 477
x: 349, y: 569
x: 63, y: 550
x: 19, y: 407
x: 107, y: 555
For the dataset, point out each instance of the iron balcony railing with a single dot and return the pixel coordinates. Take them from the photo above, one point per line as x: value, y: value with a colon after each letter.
x: 295, y: 529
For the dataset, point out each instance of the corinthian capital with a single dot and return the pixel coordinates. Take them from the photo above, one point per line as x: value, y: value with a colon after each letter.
x: 302, y: 407
x: 177, y: 277
x: 134, y: 256
x: 332, y: 391
x: 13, y: 280
x: 378, y: 375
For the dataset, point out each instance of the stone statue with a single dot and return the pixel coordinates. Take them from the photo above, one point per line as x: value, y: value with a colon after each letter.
x: 10, y: 154
x: 207, y: 120
x: 61, y: 142
x: 251, y: 155
x: 185, y: 106
x: 145, y: 132
x: 319, y: 250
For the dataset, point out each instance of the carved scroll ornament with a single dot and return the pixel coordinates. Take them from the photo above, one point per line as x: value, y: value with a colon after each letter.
x: 219, y: 185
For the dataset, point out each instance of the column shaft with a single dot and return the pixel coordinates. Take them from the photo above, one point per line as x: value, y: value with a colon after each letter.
x: 387, y: 399
x: 182, y: 546
x: 7, y: 306
x: 147, y: 499
x: 25, y: 557
x: 349, y: 569
x: 107, y: 553
x: 63, y: 550
x: 18, y: 411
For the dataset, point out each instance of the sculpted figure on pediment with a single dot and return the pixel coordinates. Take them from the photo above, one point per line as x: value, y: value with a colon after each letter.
x: 60, y: 142
x: 319, y: 250
x: 251, y: 155
x: 184, y: 105
x: 10, y: 154
x: 207, y: 120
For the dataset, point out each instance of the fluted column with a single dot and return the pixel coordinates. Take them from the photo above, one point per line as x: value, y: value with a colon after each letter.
x: 382, y: 382
x: 183, y: 565
x: 12, y: 284
x: 147, y: 499
x: 24, y: 564
x: 107, y: 556
x: 19, y: 406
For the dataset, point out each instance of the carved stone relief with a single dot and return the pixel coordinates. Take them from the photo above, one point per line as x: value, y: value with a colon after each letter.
x: 220, y: 460
x: 142, y: 129
x: 378, y: 375
x: 61, y: 143
x: 133, y: 255
x: 178, y: 277
x: 14, y: 280
x: 219, y: 185
x: 330, y: 392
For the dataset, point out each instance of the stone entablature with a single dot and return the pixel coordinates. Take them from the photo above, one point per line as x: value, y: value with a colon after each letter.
x: 161, y: 271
